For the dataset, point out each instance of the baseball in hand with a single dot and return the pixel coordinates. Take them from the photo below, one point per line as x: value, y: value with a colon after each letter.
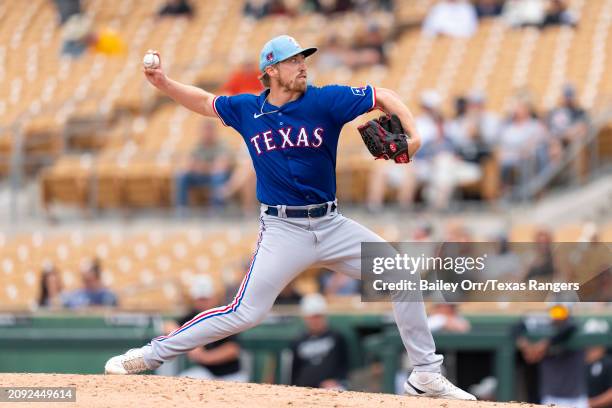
x: 150, y: 60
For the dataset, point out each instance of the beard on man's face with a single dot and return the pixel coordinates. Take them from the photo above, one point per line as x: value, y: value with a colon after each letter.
x: 297, y: 84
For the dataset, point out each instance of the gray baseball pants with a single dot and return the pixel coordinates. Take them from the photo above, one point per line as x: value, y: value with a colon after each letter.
x: 286, y: 247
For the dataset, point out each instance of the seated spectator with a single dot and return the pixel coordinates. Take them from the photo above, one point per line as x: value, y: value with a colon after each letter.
x: 332, y: 55
x: 93, y: 293
x: 76, y: 35
x: 219, y: 360
x: 367, y: 7
x: 176, y: 8
x: 488, y: 8
x: 445, y: 317
x: 505, y: 264
x: 524, y: 13
x: 242, y: 182
x: 245, y: 79
x: 331, y: 7
x: 256, y: 9
x: 599, y: 377
x: 568, y: 121
x: 407, y: 178
x: 320, y: 356
x: 436, y: 166
x: 558, y: 14
x: 50, y: 287
x: 474, y: 133
x: 523, y: 146
x: 209, y: 166
x: 67, y: 8
x: 445, y: 170
x: 369, y: 48
x: 542, y: 266
x: 454, y: 18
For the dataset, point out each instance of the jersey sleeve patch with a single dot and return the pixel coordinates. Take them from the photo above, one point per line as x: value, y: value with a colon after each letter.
x: 348, y: 102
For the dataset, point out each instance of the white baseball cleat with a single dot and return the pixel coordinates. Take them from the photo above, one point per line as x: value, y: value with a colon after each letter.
x: 131, y: 362
x: 434, y: 385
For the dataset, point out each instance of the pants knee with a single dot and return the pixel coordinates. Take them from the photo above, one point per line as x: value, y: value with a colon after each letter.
x: 251, y: 316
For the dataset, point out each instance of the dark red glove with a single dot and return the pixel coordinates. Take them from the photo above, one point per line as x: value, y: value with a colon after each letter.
x: 386, y: 139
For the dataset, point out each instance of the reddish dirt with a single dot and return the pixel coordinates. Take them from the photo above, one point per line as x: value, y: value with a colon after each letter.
x: 97, y: 391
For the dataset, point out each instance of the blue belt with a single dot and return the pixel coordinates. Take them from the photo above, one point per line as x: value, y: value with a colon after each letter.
x: 312, y: 212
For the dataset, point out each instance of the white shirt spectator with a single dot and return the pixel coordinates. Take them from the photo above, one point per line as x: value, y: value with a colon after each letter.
x: 519, y: 140
x: 455, y: 18
x: 524, y: 12
x: 487, y: 124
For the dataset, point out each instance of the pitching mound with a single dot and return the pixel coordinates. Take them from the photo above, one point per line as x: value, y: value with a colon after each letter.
x: 156, y: 391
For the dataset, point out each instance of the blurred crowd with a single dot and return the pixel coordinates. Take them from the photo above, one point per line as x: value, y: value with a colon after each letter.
x: 262, y: 8
x: 456, y: 148
x: 459, y: 18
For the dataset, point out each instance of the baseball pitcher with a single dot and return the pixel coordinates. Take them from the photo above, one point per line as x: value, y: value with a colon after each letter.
x: 292, y: 130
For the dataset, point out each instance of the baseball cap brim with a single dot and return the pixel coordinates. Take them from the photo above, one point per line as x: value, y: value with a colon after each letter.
x: 306, y: 52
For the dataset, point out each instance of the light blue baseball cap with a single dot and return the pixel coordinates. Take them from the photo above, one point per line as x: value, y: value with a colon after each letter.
x: 279, y: 49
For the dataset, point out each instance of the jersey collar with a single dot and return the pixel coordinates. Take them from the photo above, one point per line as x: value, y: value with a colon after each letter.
x: 264, y: 95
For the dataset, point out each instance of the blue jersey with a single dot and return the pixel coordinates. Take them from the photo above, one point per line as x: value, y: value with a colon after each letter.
x: 294, y: 146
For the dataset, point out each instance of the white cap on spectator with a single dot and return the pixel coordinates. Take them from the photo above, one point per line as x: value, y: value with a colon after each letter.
x: 430, y: 99
x: 202, y: 287
x: 313, y: 304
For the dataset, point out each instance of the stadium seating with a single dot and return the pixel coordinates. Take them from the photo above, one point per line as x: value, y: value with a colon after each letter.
x: 152, y: 270
x: 101, y: 103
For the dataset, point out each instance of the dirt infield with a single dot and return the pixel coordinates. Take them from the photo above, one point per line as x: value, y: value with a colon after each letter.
x: 97, y: 391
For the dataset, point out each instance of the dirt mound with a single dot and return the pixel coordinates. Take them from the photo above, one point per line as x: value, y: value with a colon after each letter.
x: 157, y: 391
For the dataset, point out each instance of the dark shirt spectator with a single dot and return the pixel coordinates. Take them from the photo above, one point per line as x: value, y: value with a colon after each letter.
x: 278, y: 8
x: 488, y: 8
x: 50, y: 287
x: 330, y: 7
x: 256, y: 9
x: 209, y: 166
x: 176, y: 8
x: 320, y: 356
x: 219, y: 360
x: 558, y: 14
x: 474, y: 131
x: 67, y: 8
x: 93, y: 292
x: 369, y: 48
x: 599, y: 377
x: 542, y: 267
x: 568, y: 121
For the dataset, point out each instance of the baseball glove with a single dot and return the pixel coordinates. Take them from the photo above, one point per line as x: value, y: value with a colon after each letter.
x: 386, y: 139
